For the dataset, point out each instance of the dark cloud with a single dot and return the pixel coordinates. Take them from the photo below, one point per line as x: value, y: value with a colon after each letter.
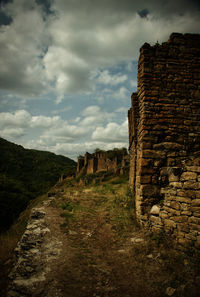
x: 39, y: 49
x: 143, y: 13
x: 4, y: 2
x: 5, y: 19
x: 46, y: 4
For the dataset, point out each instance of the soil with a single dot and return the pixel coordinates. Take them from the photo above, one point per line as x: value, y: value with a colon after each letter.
x: 91, y: 247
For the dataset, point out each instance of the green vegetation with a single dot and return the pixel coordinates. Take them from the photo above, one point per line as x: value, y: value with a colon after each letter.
x: 24, y: 175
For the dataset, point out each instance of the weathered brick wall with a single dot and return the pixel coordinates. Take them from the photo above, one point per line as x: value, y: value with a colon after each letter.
x: 102, y: 161
x: 179, y: 211
x: 164, y: 121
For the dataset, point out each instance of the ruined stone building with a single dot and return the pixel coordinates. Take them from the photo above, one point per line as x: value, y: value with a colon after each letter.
x: 113, y: 160
x: 164, y: 138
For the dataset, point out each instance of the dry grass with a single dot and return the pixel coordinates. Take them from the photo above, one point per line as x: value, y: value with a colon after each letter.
x: 104, y: 261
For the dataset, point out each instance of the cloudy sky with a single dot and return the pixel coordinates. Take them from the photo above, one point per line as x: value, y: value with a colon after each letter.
x: 68, y: 67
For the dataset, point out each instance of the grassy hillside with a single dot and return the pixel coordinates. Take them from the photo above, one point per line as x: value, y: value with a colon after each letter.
x: 25, y: 174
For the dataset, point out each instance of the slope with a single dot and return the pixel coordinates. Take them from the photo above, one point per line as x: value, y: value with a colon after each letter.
x: 25, y: 174
x: 84, y: 241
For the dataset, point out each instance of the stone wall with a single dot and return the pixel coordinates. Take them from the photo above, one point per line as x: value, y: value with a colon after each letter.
x: 164, y: 126
x: 116, y: 161
x: 179, y: 211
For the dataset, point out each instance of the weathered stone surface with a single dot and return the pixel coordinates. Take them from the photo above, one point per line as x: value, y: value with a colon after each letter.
x: 191, y: 185
x: 149, y: 190
x: 195, y: 202
x: 186, y: 176
x: 156, y: 220
x: 155, y: 210
x: 194, y: 220
x: 193, y: 168
x: 153, y: 154
x: 175, y: 205
x: 164, y: 135
x: 169, y: 223
x: 172, y: 211
x: 34, y: 251
x: 187, y: 193
x: 173, y: 178
x: 180, y: 219
x: 176, y: 185
x: 168, y: 146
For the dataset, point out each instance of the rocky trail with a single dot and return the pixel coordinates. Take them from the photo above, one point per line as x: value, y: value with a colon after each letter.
x: 83, y: 241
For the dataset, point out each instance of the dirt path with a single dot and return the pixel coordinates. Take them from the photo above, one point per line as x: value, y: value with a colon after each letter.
x: 77, y: 244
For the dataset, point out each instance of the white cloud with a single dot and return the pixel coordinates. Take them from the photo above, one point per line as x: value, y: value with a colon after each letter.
x: 54, y: 128
x: 106, y: 78
x: 73, y: 150
x: 91, y: 110
x: 12, y: 133
x: 133, y: 83
x: 121, y: 109
x: 20, y: 118
x: 64, y: 137
x: 44, y: 122
x: 122, y: 93
x: 113, y: 132
x: 22, y: 45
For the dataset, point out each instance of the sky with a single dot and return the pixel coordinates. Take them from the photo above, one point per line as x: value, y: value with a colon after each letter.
x: 68, y: 67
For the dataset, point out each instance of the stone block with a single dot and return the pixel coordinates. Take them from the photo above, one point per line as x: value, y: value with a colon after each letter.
x: 155, y: 220
x: 196, y: 213
x: 176, y: 185
x: 153, y: 154
x: 155, y: 210
x: 180, y: 219
x: 150, y: 190
x: 186, y: 213
x: 183, y: 227
x: 194, y: 208
x: 186, y: 176
x: 156, y: 228
x: 172, y: 211
x: 168, y: 146
x: 185, y: 206
x: 173, y: 178
x: 175, y: 205
x: 168, y: 191
x: 194, y: 227
x: 187, y: 193
x: 193, y: 168
x: 196, y: 202
x: 194, y: 220
x: 163, y: 214
x: 170, y: 223
x: 183, y: 199
x: 191, y: 185
x: 197, y: 194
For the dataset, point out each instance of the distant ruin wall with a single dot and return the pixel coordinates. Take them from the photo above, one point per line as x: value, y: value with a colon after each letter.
x: 116, y: 161
x: 164, y: 135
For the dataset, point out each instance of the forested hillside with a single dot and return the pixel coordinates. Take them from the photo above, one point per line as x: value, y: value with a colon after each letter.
x: 25, y: 174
